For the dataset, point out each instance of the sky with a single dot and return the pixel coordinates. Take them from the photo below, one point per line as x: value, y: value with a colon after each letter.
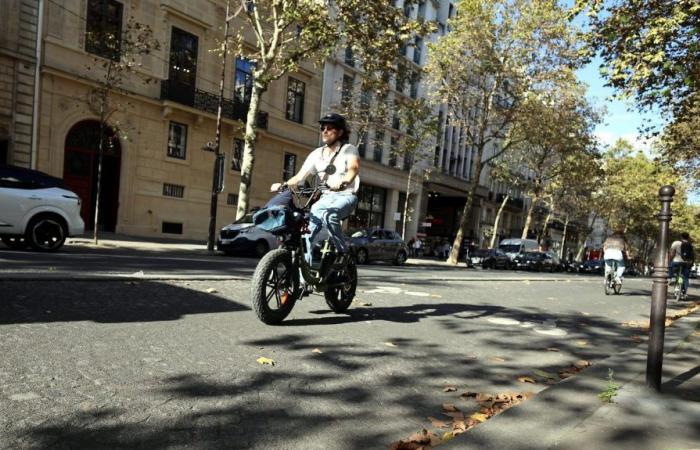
x: 621, y: 120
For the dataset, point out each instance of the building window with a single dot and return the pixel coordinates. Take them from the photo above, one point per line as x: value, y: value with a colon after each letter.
x: 370, y: 208
x: 182, y: 73
x: 362, y: 147
x: 171, y: 228
x: 237, y: 154
x: 421, y: 10
x: 415, y: 81
x: 346, y: 92
x: 243, y: 82
x: 173, y: 190
x: 393, y: 151
x: 177, y: 140
x: 417, y: 50
x: 407, y: 162
x: 295, y: 100
x: 103, y: 28
x: 349, y: 57
x: 232, y: 199
x: 290, y: 166
x: 378, y: 146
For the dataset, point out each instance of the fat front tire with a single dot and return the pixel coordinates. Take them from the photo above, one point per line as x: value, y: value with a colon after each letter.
x: 275, y: 287
x: 339, y: 298
x: 46, y: 233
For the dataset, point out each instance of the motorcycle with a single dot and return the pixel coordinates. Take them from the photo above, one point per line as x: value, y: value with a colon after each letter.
x: 283, y: 276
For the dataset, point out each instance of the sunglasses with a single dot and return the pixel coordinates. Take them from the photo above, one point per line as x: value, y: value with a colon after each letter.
x: 328, y: 128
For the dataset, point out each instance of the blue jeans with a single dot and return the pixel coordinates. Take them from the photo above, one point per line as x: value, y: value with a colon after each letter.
x: 329, y: 211
x: 620, y: 267
x: 685, y: 273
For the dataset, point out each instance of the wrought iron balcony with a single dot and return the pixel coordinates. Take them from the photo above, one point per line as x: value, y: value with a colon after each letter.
x: 206, y: 101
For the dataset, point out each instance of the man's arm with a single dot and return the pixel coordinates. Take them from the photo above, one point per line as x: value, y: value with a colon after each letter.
x: 337, y: 183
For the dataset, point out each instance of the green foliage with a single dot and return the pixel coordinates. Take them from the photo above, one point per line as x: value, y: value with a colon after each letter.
x: 611, y: 388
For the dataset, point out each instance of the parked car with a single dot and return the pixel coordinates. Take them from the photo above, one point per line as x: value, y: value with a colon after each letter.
x: 526, y: 261
x: 242, y: 237
x: 496, y: 259
x: 478, y: 255
x: 37, y: 209
x: 513, y: 247
x: 377, y: 244
x: 596, y: 266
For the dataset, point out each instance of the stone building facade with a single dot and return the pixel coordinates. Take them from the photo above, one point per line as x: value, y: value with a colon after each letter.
x: 157, y: 179
x: 18, y: 62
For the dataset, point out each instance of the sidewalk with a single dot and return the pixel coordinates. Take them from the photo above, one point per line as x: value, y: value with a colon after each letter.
x: 113, y: 240
x: 569, y: 415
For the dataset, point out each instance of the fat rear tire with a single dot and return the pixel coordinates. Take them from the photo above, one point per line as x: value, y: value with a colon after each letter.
x: 339, y: 298
x: 275, y: 287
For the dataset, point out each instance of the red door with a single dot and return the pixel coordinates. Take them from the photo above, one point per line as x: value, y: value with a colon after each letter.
x: 80, y: 173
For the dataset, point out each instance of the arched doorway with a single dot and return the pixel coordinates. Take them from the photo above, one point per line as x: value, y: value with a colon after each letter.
x: 80, y: 172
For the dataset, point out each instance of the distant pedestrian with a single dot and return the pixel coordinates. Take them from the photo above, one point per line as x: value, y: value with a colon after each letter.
x: 411, y: 251
x: 445, y: 249
x: 417, y: 247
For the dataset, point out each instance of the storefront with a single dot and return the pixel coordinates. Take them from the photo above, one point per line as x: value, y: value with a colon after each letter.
x: 371, y: 208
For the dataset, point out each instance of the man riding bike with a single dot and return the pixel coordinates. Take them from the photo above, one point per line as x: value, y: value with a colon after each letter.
x: 337, y: 164
x: 614, y: 252
x: 682, y: 256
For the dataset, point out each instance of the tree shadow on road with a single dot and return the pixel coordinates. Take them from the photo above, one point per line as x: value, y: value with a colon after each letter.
x: 104, y: 302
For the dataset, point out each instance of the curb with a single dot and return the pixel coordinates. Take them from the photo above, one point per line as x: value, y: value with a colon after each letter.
x: 544, y: 420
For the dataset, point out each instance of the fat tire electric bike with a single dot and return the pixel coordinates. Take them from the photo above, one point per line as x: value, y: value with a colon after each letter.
x: 283, y: 276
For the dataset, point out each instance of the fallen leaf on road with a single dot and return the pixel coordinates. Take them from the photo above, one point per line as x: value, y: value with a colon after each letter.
x: 316, y: 350
x: 437, y: 423
x: 435, y: 296
x: 449, y: 389
x: 581, y: 343
x: 636, y: 338
x: 526, y: 380
x: 212, y: 291
x: 468, y: 394
x: 449, y: 407
x: 263, y: 360
x: 390, y: 344
x: 581, y: 363
x: 447, y: 436
x: 552, y: 349
x: 496, y: 359
x: 479, y: 417
x: 543, y: 374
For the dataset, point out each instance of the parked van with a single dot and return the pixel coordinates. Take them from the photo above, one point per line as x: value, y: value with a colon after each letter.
x: 514, y: 246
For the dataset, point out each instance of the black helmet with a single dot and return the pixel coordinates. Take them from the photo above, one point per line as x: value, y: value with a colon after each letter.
x: 337, y: 121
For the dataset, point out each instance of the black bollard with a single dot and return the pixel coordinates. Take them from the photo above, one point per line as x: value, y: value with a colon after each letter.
x: 657, y: 320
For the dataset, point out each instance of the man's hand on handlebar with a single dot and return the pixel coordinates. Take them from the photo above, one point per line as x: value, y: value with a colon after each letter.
x: 336, y: 184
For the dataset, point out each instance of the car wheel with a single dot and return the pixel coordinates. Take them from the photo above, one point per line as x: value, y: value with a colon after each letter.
x: 46, y: 233
x: 400, y: 258
x: 362, y: 257
x: 15, y: 242
x: 261, y: 248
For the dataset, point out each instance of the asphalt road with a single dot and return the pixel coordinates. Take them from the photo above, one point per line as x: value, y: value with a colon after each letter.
x: 157, y: 363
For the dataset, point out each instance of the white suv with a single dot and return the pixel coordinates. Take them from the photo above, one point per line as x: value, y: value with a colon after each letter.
x: 36, y: 209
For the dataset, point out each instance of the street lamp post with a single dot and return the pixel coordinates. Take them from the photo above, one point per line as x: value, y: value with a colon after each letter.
x: 218, y: 178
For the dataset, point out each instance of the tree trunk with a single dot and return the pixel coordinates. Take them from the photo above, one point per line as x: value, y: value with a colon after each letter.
x: 528, y: 218
x: 498, y: 220
x: 406, y: 203
x: 248, y: 163
x: 546, y: 223
x: 466, y: 212
x: 100, y: 152
x: 563, y: 238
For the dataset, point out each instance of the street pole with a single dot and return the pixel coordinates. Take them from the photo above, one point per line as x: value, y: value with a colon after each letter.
x: 217, y: 144
x: 657, y: 320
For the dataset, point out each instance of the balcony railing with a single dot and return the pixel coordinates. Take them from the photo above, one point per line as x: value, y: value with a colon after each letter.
x: 206, y: 101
